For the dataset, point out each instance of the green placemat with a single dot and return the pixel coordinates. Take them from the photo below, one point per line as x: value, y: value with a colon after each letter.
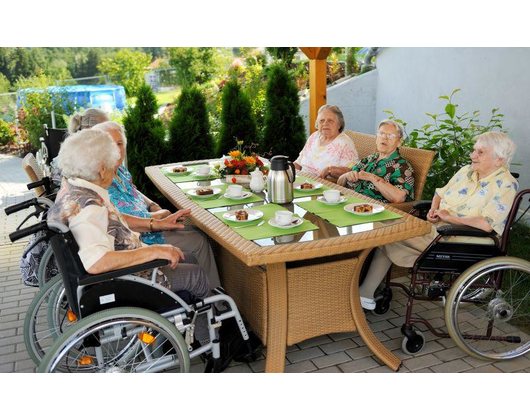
x: 337, y: 216
x: 189, y: 176
x: 266, y: 230
x: 210, y: 203
x: 302, y: 193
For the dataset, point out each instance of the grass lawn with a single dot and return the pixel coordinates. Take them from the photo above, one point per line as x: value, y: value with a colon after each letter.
x: 162, y: 97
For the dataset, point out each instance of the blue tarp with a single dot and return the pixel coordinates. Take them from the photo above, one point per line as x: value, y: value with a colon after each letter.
x: 107, y: 97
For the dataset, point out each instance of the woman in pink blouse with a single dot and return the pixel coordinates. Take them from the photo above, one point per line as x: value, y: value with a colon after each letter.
x: 328, y: 151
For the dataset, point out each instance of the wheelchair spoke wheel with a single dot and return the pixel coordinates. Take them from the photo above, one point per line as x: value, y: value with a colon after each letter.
x: 119, y: 340
x: 488, y: 309
x: 46, y: 319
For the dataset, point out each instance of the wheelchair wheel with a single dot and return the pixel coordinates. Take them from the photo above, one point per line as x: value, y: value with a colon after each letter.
x: 413, y: 344
x: 46, y: 319
x: 43, y: 267
x: 487, y: 312
x: 119, y: 340
x: 382, y: 303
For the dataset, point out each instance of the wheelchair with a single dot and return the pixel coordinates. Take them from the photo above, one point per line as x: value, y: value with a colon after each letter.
x: 481, y: 288
x: 119, y: 322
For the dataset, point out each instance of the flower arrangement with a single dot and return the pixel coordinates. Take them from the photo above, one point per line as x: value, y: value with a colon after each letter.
x: 239, y: 162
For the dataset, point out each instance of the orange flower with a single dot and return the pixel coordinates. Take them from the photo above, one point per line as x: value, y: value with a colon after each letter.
x: 250, y: 160
x: 235, y: 153
x: 237, y: 171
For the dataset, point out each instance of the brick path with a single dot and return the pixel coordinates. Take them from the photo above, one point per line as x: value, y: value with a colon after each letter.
x: 344, y: 352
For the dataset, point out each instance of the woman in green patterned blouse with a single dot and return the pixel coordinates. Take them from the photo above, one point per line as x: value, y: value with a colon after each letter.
x: 386, y: 175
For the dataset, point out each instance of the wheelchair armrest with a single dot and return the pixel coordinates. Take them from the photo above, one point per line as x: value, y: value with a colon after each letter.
x: 96, y: 278
x: 453, y: 230
x: 422, y: 205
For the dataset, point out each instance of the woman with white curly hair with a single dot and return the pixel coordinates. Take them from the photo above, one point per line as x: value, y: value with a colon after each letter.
x: 479, y: 195
x: 108, y: 240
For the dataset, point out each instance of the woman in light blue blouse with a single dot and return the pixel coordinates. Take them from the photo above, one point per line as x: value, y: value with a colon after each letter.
x: 129, y: 200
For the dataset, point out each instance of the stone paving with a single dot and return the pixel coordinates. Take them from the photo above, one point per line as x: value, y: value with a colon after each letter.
x: 333, y: 353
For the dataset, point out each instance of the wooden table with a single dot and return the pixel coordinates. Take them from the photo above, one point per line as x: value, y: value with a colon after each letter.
x: 295, y: 291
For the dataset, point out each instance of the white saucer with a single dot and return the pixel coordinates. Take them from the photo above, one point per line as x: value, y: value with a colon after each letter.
x: 245, y: 194
x: 316, y: 186
x: 377, y: 208
x: 324, y: 201
x: 169, y: 169
x: 252, y: 215
x: 297, y: 221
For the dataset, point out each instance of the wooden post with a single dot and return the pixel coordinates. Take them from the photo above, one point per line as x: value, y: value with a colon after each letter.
x: 317, y: 80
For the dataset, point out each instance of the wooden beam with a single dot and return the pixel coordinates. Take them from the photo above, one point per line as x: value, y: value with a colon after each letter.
x: 317, y: 80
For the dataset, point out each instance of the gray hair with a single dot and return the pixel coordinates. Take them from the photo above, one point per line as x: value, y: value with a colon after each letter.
x: 82, y: 153
x: 500, y: 144
x: 110, y: 127
x: 336, y: 110
x: 87, y: 119
x: 399, y: 128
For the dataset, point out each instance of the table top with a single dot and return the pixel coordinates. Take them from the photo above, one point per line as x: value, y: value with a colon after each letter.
x: 327, y: 240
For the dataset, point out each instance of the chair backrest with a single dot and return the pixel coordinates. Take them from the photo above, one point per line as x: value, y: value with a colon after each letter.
x: 419, y: 159
x: 53, y: 139
x: 34, y: 172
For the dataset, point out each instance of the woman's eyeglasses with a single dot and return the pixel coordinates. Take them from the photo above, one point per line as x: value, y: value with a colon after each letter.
x: 387, y: 136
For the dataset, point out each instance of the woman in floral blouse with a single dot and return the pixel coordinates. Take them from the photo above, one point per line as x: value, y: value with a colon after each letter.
x: 385, y: 176
x: 479, y: 195
x: 328, y: 151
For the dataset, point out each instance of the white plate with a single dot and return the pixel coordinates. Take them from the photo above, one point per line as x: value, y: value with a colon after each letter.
x: 193, y: 193
x: 297, y: 221
x: 245, y: 194
x: 324, y: 201
x: 203, y: 175
x: 252, y: 215
x: 377, y: 208
x: 316, y: 186
x: 169, y: 169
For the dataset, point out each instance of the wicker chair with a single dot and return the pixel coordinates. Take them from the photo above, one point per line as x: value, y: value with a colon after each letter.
x: 34, y: 172
x: 419, y: 159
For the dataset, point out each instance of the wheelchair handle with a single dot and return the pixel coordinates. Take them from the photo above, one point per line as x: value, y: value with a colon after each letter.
x: 26, y: 204
x: 44, y: 182
x: 22, y: 233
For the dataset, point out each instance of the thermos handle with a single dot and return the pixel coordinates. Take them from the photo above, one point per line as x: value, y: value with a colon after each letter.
x: 294, y: 172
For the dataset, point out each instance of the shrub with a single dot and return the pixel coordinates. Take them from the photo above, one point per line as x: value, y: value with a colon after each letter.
x: 237, y: 120
x: 189, y: 131
x: 7, y: 133
x: 284, y: 132
x: 451, y: 137
x: 145, y: 138
x: 284, y: 54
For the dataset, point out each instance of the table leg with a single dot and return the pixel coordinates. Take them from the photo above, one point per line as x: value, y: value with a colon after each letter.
x: 385, y: 355
x: 277, y: 317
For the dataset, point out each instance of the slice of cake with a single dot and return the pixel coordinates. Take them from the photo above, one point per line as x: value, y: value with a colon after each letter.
x: 241, y: 215
x: 307, y: 186
x: 180, y: 169
x: 363, y: 208
x: 204, y: 191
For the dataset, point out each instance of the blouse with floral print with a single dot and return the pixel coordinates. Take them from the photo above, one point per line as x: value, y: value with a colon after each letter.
x: 490, y: 197
x: 394, y: 169
x: 128, y: 200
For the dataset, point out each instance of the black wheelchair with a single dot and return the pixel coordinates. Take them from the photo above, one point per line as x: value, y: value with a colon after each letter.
x: 485, y: 293
x: 120, y: 322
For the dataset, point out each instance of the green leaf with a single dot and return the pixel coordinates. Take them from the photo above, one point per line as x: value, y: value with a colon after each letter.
x: 443, y: 97
x: 454, y: 91
x: 450, y: 109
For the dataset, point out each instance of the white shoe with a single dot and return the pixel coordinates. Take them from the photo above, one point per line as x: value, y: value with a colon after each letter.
x: 368, y: 303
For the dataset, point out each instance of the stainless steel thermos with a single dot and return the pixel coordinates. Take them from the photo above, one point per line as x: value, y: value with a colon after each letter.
x: 280, y: 180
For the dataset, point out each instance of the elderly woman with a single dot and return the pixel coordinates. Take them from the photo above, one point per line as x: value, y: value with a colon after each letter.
x: 87, y: 119
x: 479, y: 195
x: 131, y: 202
x: 328, y: 151
x: 385, y: 176
x: 88, y: 160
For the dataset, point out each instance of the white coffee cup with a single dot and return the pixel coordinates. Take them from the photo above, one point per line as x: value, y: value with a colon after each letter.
x: 332, y: 196
x: 234, y: 191
x: 283, y: 217
x: 203, y: 170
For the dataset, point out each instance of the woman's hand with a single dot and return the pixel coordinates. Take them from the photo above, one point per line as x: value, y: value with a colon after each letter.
x: 171, y: 222
x: 352, y: 176
x: 324, y: 173
x: 168, y: 252
x: 431, y: 217
x: 367, y: 176
x: 443, y: 215
x: 160, y: 214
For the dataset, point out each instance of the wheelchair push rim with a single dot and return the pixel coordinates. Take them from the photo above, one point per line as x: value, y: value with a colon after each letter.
x: 119, y: 340
x: 494, y: 325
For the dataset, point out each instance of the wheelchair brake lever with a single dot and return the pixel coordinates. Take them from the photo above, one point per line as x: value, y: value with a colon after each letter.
x: 35, y: 213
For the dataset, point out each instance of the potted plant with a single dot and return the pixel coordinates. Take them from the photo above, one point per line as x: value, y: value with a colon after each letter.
x: 238, y: 165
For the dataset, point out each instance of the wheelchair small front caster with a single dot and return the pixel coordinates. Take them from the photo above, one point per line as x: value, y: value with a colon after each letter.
x: 413, y: 343
x: 382, y: 303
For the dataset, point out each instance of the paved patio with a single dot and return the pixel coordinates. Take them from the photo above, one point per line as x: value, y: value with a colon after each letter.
x: 344, y: 352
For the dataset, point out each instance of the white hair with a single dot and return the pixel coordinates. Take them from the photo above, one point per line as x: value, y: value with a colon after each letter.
x: 499, y: 143
x: 87, y: 119
x: 110, y: 127
x: 82, y: 154
x: 399, y: 128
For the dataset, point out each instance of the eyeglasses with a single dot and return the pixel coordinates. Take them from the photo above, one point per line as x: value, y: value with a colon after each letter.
x: 387, y: 136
